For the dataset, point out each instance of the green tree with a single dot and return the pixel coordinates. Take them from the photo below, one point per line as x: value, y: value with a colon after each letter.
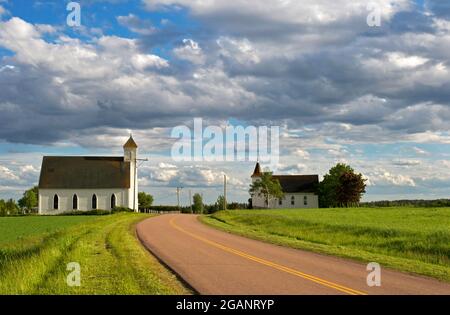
x: 268, y: 187
x: 2, y: 208
x: 351, y: 188
x: 145, y: 200
x: 341, y: 187
x: 11, y: 207
x: 29, y: 199
x: 197, y: 207
x: 220, y: 203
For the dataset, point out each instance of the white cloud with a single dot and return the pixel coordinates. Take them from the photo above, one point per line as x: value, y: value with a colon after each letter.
x: 420, y: 151
x: 303, y: 65
x: 190, y: 51
x: 403, y: 61
x: 406, y: 162
x: 290, y: 11
x: 7, y: 175
x: 302, y: 154
x: 135, y: 24
x: 28, y: 168
x: 239, y: 50
x: 387, y: 178
x: 141, y: 62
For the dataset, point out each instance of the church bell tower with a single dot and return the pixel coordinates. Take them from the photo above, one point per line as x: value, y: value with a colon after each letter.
x: 130, y: 155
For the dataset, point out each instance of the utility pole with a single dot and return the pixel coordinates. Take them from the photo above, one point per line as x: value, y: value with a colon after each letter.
x: 190, y: 200
x: 135, y: 181
x: 201, y: 208
x: 224, y: 192
x: 178, y: 197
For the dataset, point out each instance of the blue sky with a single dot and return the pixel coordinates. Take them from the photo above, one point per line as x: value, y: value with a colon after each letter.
x: 341, y: 91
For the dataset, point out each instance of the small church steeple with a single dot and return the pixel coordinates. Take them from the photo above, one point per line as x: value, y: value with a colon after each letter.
x: 257, y: 172
x: 130, y: 149
x: 130, y: 143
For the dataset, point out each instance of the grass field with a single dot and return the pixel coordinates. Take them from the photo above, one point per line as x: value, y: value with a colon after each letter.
x: 16, y: 228
x: 409, y: 239
x: 35, y: 251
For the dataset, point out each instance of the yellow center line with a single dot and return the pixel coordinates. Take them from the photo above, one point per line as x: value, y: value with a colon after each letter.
x: 269, y: 263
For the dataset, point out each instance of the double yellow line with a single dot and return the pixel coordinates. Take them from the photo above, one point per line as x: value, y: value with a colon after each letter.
x: 294, y: 272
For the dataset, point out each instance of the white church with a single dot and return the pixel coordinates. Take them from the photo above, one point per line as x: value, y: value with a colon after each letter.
x: 300, y: 191
x: 83, y: 183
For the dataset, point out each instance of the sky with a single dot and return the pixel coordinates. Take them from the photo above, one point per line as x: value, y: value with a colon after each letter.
x: 375, y: 97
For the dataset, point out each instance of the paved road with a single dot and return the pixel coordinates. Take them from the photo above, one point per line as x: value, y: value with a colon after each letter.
x: 215, y: 262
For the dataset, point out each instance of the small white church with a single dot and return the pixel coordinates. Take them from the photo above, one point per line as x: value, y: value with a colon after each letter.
x: 300, y: 191
x: 83, y: 183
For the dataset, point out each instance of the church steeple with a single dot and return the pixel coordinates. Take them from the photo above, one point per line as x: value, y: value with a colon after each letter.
x: 130, y: 143
x: 257, y: 172
x: 130, y: 150
x: 130, y: 156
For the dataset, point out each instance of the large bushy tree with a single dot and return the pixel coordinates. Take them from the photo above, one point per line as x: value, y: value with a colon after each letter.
x: 145, y: 200
x: 220, y: 203
x: 197, y: 207
x: 2, y: 208
x: 268, y: 187
x: 341, y: 187
x: 8, y: 207
x: 29, y: 199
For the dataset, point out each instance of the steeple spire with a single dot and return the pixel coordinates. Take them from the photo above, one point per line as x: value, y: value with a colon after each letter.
x: 130, y: 143
x: 257, y: 172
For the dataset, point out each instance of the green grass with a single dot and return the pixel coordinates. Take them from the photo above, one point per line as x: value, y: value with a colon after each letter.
x: 414, y: 240
x: 15, y: 228
x: 112, y: 260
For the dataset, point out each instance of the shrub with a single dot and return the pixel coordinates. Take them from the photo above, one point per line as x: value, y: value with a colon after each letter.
x: 90, y: 212
x: 122, y: 209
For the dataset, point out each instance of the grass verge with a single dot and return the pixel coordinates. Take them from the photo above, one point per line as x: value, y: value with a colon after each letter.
x: 112, y: 260
x: 415, y: 240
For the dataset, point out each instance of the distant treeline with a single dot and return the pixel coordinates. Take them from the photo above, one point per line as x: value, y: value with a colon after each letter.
x: 407, y: 203
x: 211, y: 208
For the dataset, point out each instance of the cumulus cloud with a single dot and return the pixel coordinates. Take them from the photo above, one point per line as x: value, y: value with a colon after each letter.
x: 135, y: 24
x: 190, y: 51
x: 404, y: 162
x: 387, y: 178
x: 7, y: 175
x: 313, y: 67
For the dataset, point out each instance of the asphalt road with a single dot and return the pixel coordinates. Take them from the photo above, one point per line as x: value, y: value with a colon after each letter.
x: 215, y: 262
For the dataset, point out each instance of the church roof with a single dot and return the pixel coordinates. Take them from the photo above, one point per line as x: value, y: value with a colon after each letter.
x: 298, y: 183
x: 130, y: 143
x: 84, y: 172
x: 293, y: 183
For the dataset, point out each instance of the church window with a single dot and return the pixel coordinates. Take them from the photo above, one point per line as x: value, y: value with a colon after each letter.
x: 75, y: 202
x: 113, y: 201
x: 55, y: 202
x: 94, y: 202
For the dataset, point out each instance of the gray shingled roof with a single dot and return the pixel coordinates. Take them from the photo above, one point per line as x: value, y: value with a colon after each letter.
x: 298, y: 183
x: 83, y: 172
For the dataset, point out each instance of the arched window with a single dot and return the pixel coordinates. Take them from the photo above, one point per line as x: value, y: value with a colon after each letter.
x: 293, y: 201
x: 55, y: 202
x: 305, y: 200
x: 94, y: 202
x: 280, y: 202
x: 113, y: 201
x: 75, y: 202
